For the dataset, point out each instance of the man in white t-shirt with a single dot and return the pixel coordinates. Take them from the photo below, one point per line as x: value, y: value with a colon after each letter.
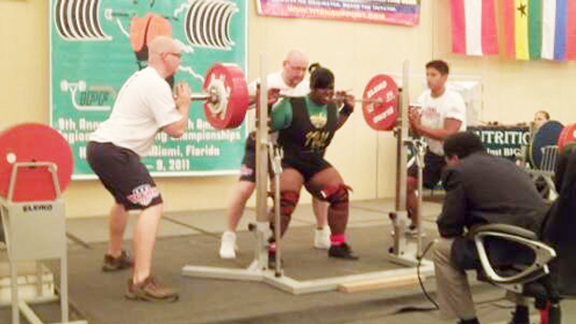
x: 145, y: 105
x: 289, y: 82
x: 442, y: 113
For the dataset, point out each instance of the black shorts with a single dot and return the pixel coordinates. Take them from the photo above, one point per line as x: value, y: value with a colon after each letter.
x: 121, y: 172
x: 432, y: 173
x: 248, y: 168
x: 307, y: 164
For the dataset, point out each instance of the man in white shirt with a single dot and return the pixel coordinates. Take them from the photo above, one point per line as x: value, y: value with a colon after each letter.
x: 442, y: 114
x: 291, y: 83
x: 145, y: 105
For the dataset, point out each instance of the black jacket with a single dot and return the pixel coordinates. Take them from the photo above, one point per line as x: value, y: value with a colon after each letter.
x: 485, y: 189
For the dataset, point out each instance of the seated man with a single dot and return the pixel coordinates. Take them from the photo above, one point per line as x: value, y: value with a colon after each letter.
x: 560, y: 224
x: 480, y: 189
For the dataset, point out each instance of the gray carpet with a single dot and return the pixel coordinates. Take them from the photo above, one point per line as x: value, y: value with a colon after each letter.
x: 99, y: 296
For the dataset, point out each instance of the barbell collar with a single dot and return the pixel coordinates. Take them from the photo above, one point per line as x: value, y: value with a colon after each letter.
x: 211, y: 97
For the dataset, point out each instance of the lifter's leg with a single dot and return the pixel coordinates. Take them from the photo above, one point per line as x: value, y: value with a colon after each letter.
x: 291, y: 182
x: 412, y: 200
x: 329, y: 185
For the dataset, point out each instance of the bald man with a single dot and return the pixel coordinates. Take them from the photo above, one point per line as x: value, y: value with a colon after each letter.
x: 144, y: 106
x: 290, y: 82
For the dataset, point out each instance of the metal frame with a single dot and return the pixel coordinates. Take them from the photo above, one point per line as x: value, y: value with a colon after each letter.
x: 539, y: 268
x: 258, y: 270
x: 538, y: 271
x: 548, y: 177
x: 406, y: 252
x: 54, y: 216
x: 546, y: 169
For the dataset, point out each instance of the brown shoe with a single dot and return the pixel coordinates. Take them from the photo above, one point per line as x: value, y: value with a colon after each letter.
x: 124, y: 261
x: 150, y: 290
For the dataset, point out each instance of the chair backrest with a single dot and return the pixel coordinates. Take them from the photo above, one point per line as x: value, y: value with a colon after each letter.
x: 549, y: 157
x: 543, y: 254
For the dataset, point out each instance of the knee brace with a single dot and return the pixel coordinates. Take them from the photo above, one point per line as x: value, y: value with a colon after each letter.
x: 337, y: 195
x: 288, y: 201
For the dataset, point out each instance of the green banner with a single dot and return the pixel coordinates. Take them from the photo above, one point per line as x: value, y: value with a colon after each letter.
x: 504, y: 141
x: 95, y: 45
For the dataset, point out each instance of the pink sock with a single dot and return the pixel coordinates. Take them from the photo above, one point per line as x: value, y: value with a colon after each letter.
x: 337, y: 239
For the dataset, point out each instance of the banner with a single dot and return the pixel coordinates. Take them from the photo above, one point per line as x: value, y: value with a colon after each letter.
x: 405, y: 12
x: 540, y: 29
x: 95, y: 45
x: 505, y: 141
x: 474, y: 27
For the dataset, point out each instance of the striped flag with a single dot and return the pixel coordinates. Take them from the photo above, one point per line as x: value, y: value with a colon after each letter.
x: 474, y: 27
x: 540, y: 29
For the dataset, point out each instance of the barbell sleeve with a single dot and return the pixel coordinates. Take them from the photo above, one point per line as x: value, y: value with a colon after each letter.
x: 199, y: 96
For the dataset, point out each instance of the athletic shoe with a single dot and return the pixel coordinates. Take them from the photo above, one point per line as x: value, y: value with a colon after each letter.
x: 322, y: 238
x: 342, y: 251
x: 228, y: 245
x: 150, y: 290
x: 111, y: 264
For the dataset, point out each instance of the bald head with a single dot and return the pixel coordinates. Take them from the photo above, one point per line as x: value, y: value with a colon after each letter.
x: 296, y: 56
x: 164, y: 55
x: 162, y: 44
x: 294, y: 67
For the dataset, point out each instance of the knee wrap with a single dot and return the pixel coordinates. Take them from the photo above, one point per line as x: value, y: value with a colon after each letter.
x: 336, y: 195
x: 288, y: 201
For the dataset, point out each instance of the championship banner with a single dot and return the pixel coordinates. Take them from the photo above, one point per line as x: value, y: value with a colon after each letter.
x: 95, y: 45
x: 400, y: 12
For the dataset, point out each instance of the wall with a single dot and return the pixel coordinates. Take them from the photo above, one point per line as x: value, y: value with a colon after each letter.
x: 355, y: 52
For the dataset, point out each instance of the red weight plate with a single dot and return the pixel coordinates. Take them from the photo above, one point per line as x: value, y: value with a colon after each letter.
x: 381, y: 115
x: 33, y: 143
x: 567, y: 136
x: 228, y: 80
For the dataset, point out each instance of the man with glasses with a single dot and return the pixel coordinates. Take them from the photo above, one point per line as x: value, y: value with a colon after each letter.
x: 144, y: 106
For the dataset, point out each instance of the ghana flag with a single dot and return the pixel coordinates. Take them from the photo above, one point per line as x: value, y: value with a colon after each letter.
x: 540, y: 29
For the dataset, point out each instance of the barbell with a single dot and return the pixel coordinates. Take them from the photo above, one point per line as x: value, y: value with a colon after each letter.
x: 226, y: 98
